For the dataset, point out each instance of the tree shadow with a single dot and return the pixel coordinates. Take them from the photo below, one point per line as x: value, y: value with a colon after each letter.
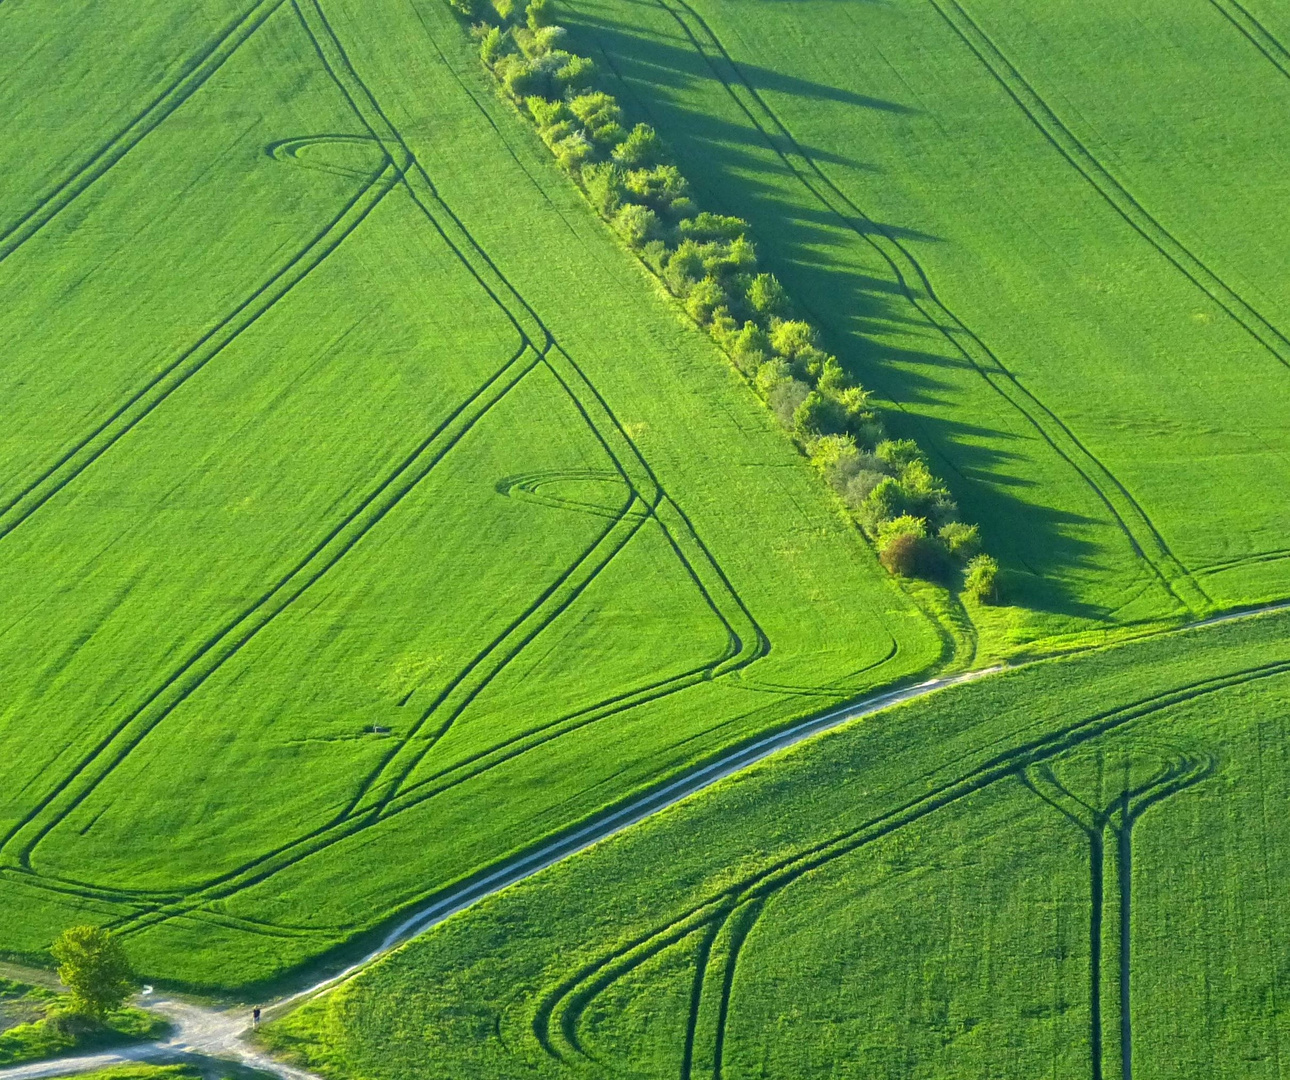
x: 848, y: 292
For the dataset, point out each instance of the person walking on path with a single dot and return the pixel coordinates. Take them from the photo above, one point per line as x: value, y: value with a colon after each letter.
x: 255, y: 1016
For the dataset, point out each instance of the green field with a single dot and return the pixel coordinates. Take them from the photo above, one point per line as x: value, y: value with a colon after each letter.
x: 1042, y: 873
x: 1048, y: 232
x: 366, y: 516
x: 372, y: 514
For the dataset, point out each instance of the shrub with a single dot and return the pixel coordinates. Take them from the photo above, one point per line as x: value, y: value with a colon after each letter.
x: 962, y: 541
x: 658, y: 187
x: 574, y: 73
x: 830, y: 451
x: 641, y: 149
x: 604, y: 186
x: 504, y: 9
x: 902, y: 556
x: 543, y: 42
x: 885, y: 501
x: 572, y: 151
x: 705, y: 297
x: 92, y: 965
x: 523, y: 77
x: 904, y: 525
x: 770, y: 375
x: 914, y: 556
x: 790, y: 336
x: 601, y: 116
x: 636, y: 223
x: 707, y: 227
x: 821, y: 414
x: 766, y: 295
x: 684, y: 268
x: 539, y: 14
x: 981, y: 582
x: 723, y: 327
x: 470, y: 9
x: 898, y: 453
x: 786, y: 398
x: 859, y: 486
x: 493, y: 45
x: 750, y: 348
x: 832, y: 377
x: 917, y: 480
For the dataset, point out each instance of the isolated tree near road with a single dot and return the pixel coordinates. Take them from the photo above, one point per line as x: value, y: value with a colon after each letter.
x: 93, y: 966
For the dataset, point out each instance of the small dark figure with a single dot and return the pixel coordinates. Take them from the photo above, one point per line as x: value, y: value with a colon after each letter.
x: 255, y: 1016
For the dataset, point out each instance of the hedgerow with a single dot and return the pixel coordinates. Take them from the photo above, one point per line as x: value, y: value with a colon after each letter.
x: 709, y: 263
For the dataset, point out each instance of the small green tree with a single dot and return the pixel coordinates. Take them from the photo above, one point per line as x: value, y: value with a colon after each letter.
x: 93, y: 966
x: 982, y: 579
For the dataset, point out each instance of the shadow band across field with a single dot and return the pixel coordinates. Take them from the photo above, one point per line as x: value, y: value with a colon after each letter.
x: 915, y: 288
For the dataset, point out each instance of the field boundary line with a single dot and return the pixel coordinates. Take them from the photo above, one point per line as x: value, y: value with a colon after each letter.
x: 146, y: 121
x: 1143, y: 537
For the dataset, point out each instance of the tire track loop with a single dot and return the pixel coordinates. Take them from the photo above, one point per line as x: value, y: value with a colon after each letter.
x: 24, y: 503
x: 394, y: 772
x: 1143, y: 537
x: 1255, y: 32
x: 104, y: 157
x: 110, y: 751
x: 763, y: 884
x: 707, y: 575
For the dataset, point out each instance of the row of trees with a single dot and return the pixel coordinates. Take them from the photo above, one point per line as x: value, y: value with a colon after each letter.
x: 709, y: 262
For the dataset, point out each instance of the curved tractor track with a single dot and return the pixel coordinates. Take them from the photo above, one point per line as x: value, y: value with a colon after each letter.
x: 399, y: 783
x: 724, y: 918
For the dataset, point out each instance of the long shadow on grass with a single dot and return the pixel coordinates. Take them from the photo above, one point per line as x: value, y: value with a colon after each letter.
x: 878, y: 335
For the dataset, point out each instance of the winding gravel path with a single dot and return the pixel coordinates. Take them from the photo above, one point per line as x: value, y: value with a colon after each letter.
x: 205, y: 1032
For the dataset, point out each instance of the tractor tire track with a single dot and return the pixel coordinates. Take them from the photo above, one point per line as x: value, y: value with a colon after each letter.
x: 142, y: 124
x: 111, y: 750
x: 389, y: 777
x: 620, y: 447
x: 527, y: 863
x: 621, y: 451
x: 760, y: 886
x: 1119, y: 198
x: 1255, y: 32
x: 1143, y: 537
x: 20, y: 507
x: 693, y: 553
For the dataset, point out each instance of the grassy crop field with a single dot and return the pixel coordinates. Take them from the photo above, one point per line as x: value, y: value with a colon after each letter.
x: 365, y: 513
x: 1068, y: 870
x: 1049, y: 233
x: 381, y: 500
